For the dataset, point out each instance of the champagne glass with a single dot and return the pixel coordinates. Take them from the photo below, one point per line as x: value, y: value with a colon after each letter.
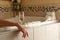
x: 21, y: 17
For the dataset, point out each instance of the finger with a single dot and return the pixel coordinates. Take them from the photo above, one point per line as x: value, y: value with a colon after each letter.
x: 24, y: 35
x: 27, y: 34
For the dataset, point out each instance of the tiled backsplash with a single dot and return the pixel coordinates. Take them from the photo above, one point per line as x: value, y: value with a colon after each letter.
x: 40, y: 8
x: 5, y: 9
x: 34, y: 10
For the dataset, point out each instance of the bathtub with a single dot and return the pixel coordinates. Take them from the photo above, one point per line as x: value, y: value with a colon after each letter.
x: 42, y: 32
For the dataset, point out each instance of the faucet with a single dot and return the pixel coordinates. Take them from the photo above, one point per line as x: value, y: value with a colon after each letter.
x: 50, y: 16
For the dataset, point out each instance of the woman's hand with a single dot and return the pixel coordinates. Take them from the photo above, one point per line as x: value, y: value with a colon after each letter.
x: 25, y: 33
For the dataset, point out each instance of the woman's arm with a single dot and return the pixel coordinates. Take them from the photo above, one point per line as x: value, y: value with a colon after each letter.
x: 8, y: 23
x: 4, y: 23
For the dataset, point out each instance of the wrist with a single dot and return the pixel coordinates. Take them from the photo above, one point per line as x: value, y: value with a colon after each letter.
x: 19, y: 27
